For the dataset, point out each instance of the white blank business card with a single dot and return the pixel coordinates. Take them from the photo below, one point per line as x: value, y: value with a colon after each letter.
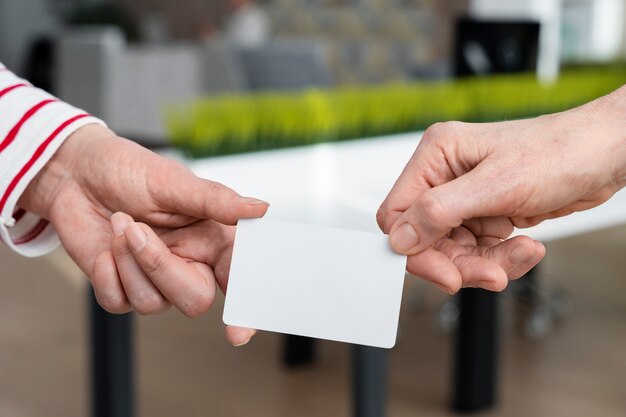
x: 315, y: 281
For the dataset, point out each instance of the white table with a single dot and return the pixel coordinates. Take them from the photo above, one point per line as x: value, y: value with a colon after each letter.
x: 342, y: 184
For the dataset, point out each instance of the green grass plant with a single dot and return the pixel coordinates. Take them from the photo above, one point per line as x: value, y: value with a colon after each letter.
x: 228, y: 124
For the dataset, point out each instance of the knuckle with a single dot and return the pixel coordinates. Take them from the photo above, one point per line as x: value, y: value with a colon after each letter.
x: 199, y: 304
x: 214, y: 198
x: 113, y: 304
x: 155, y: 263
x: 219, y: 190
x: 434, y: 130
x: 443, y: 131
x: 432, y: 209
x: 148, y: 303
x: 214, y: 186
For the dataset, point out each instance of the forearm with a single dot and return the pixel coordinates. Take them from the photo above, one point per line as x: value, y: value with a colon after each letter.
x: 614, y: 105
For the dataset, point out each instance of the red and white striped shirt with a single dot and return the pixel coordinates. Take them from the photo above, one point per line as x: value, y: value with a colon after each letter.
x: 33, y: 125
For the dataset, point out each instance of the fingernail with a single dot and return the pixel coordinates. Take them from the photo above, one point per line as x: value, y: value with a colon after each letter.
x: 136, y: 237
x: 520, y: 255
x: 242, y: 343
x: 252, y: 201
x: 404, y: 238
x: 119, y: 222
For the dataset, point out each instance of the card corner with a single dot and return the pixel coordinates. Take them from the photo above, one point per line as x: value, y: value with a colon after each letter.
x: 390, y: 345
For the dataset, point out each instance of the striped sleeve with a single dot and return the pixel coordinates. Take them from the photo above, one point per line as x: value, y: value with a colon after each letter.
x: 33, y: 125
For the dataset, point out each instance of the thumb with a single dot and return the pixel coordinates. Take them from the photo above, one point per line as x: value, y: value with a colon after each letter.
x: 440, y: 209
x: 204, y: 199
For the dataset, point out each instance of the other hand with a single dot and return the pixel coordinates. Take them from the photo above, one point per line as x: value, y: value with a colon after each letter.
x: 467, y: 186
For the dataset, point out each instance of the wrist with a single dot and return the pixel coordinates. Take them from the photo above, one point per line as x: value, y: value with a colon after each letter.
x: 610, y: 112
x: 60, y: 171
x: 614, y: 106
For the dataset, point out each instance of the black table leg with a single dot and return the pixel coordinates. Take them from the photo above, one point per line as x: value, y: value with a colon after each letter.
x: 369, y: 381
x: 111, y: 362
x: 476, y: 351
x: 298, y: 350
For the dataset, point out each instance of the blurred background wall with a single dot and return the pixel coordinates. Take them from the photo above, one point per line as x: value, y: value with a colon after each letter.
x: 166, y: 53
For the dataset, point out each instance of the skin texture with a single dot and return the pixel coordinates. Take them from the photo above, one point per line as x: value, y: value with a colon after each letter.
x: 467, y: 186
x: 146, y: 231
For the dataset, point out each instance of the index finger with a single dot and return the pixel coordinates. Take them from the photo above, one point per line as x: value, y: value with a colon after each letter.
x: 180, y: 191
x: 425, y: 169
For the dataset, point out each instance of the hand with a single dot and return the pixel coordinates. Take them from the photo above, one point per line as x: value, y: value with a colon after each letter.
x: 468, y: 185
x: 180, y: 252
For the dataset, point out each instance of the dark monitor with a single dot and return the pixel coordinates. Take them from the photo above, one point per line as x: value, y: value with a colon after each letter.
x: 485, y: 47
